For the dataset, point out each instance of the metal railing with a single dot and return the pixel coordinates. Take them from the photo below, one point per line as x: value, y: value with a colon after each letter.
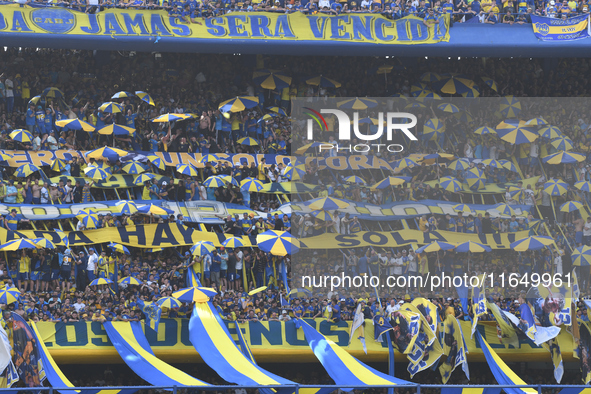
x: 297, y: 387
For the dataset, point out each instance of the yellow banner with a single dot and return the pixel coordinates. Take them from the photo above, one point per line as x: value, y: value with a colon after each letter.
x: 262, y: 26
x: 393, y: 239
x: 87, y: 343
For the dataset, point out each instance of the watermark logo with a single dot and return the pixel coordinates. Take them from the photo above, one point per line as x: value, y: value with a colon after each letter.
x: 386, y: 123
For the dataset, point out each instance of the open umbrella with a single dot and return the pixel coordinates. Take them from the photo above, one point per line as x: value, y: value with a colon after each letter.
x: 405, y: 162
x: 271, y: 80
x: 536, y: 122
x: 63, y: 237
x: 187, y: 169
x: 248, y: 141
x: 327, y: 204
x: 571, y: 206
x: 19, y: 244
x: 563, y: 157
x: 485, y: 130
x: 436, y: 246
x: 229, y: 180
x: 473, y: 247
x: 459, y: 165
x: 96, y: 173
x: 25, y: 170
x: 278, y: 110
x: 508, y: 165
x: 167, y: 118
x: 504, y: 209
x: 58, y: 165
x: 43, y: 243
x: 52, y: 92
x: 202, y: 248
x: 322, y: 215
x: 446, y: 107
x: 492, y: 163
x: 100, y: 282
x: 490, y: 83
x: 278, y: 243
x: 450, y: 184
x: 209, y: 158
x: 462, y: 208
x: 475, y: 178
x: 294, y: 171
x: 118, y: 248
x: 323, y: 82
x: 121, y: 94
x: 9, y: 295
x: 454, y: 85
x: 194, y: 294
x: 112, y: 154
x: 129, y: 280
x: 415, y: 105
x: 134, y: 168
x: 432, y: 129
x: 169, y: 302
x: 88, y: 217
x: 389, y: 181
x: 583, y: 186
x: 156, y: 161
x: 516, y: 132
x: 581, y: 256
x: 238, y: 104
x: 75, y: 124
x: 358, y: 103
x: 531, y: 243
x: 145, y: 97
x: 549, y: 132
x: 417, y: 89
x: 140, y: 179
x: 510, y: 107
x: 214, y: 181
x: 5, y: 156
x: 473, y: 92
x: 555, y: 187
x: 110, y: 107
x: 233, y: 242
x: 155, y: 210
x: 355, y: 179
x: 251, y: 185
x: 21, y: 135
x: 116, y: 129
x: 127, y: 207
x: 430, y: 77
x: 562, y: 143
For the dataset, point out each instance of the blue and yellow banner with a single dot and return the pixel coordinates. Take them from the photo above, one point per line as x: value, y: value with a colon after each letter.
x: 556, y: 29
x: 259, y: 26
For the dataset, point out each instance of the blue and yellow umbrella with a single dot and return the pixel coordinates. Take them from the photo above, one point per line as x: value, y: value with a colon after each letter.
x: 549, y: 132
x: 323, y: 82
x: 300, y: 293
x: 233, y: 242
x: 127, y: 207
x: 25, y: 170
x: 21, y: 135
x: 75, y: 124
x: 446, y: 107
x: 156, y: 161
x: 271, y: 80
x: 415, y: 105
x: 508, y: 165
x: 104, y: 165
x: 358, y: 103
x: 121, y: 94
x: 459, y: 165
x: 116, y: 129
x: 562, y: 143
x: 187, y: 169
x: 355, y: 179
x: 571, y: 206
x: 294, y: 171
x: 427, y: 95
x: 43, y: 243
x: 450, y: 184
x: 516, y: 193
x: 490, y: 83
x: 473, y: 92
x: 516, y: 132
x: 436, y: 246
x: 462, y: 208
x: 154, y: 210
x: 129, y: 280
x: 63, y: 237
x: 229, y: 180
x: 112, y: 154
x: 416, y: 89
x: 19, y: 244
x: 167, y: 118
x: 9, y: 295
x: 464, y: 117
x: 535, y: 242
x: 583, y: 186
x: 475, y: 178
x: 52, y: 92
x: 504, y: 209
x: 118, y: 247
x: 134, y: 168
x: 88, y: 217
x: 5, y: 156
x: 96, y: 173
x: 251, y: 185
x: 278, y: 243
x: 142, y: 178
x: 485, y: 130
x: 34, y: 100
x: 145, y: 97
x: 202, y: 248
x: 238, y: 104
x: 492, y: 163
x: 509, y: 107
x: 169, y: 302
x: 432, y: 129
x: 387, y: 182
x: 430, y: 77
x: 100, y: 282
x: 277, y: 110
x: 58, y: 165
x: 555, y: 187
x: 214, y: 181
x: 581, y: 256
x: 209, y: 158
x: 472, y: 247
x: 110, y: 107
x: 248, y: 141
x: 405, y: 162
x: 454, y: 85
x: 322, y: 215
x: 536, y: 122
x: 327, y: 204
x: 194, y: 294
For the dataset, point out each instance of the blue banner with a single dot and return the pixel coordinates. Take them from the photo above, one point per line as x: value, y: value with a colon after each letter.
x: 555, y: 29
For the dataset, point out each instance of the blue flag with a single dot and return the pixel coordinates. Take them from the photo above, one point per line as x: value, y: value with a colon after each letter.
x: 152, y: 312
x: 381, y: 325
